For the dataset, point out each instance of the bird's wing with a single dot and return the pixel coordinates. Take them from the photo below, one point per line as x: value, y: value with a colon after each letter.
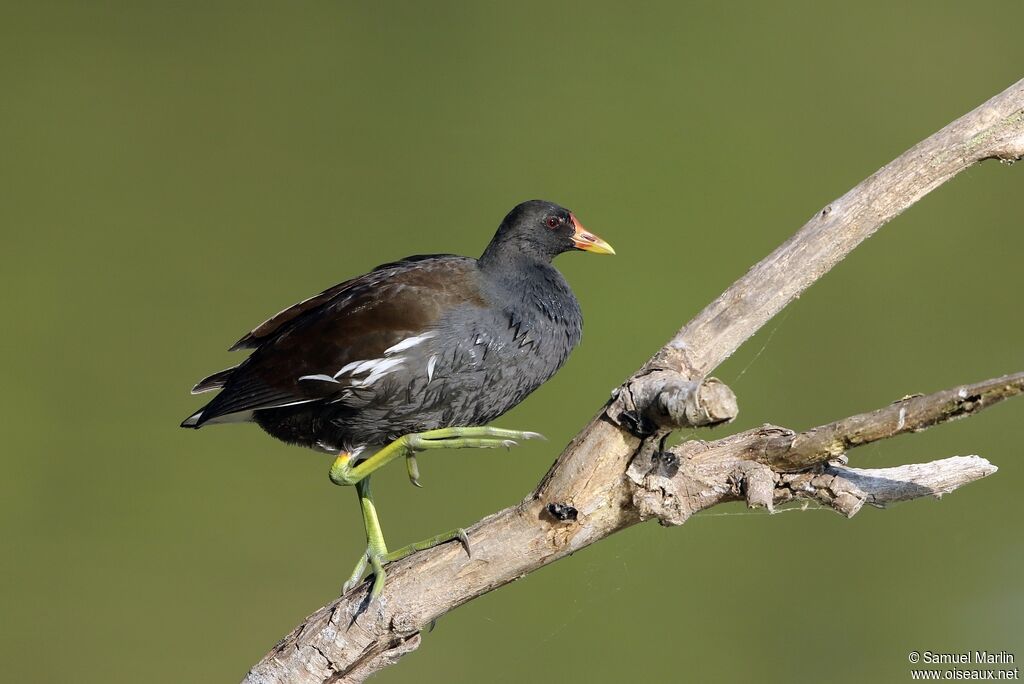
x: 276, y: 323
x: 348, y: 341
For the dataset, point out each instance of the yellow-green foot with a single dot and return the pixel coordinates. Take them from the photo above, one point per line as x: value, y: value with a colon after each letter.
x: 375, y: 559
x: 343, y: 472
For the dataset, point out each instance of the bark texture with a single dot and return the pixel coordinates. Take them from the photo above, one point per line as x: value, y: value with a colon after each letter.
x: 614, y: 474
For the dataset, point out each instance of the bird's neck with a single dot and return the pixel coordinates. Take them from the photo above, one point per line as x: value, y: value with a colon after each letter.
x: 510, y: 254
x: 522, y: 279
x: 515, y: 269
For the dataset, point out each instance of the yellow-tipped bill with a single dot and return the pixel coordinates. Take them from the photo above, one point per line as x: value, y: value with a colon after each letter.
x: 587, y: 241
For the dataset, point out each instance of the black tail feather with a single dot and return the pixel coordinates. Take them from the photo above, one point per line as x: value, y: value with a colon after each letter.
x: 215, y: 381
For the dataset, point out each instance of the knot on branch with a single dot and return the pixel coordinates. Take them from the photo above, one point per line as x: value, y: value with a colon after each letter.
x: 665, y: 400
x: 670, y: 486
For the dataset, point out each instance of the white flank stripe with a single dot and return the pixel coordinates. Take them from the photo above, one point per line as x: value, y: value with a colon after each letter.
x: 357, y: 367
x: 321, y: 377
x: 346, y: 368
x: 407, y: 343
x: 379, y: 369
x: 430, y: 367
x: 367, y: 366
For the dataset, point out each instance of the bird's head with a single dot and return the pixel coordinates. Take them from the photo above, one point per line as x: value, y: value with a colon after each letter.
x: 544, y: 230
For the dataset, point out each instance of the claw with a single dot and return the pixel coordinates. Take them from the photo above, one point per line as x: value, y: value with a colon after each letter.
x: 509, y: 443
x: 464, y: 540
x: 412, y: 467
x: 534, y: 435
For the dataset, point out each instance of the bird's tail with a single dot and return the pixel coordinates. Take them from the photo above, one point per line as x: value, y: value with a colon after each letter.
x: 215, y: 381
x: 198, y: 419
x: 194, y: 421
x: 207, y: 384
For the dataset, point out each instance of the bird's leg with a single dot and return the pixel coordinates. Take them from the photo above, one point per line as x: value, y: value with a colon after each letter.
x: 377, y: 555
x: 376, y: 549
x: 343, y: 473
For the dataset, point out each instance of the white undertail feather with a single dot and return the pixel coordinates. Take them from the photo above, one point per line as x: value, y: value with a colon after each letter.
x: 239, y: 417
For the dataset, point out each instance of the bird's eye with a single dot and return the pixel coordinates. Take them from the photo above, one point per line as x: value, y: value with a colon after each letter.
x: 553, y: 221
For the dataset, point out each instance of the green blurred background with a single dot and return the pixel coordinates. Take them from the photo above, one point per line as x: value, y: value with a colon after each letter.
x: 173, y: 173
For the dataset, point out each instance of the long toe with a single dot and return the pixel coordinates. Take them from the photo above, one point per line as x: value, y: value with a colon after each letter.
x: 378, y: 585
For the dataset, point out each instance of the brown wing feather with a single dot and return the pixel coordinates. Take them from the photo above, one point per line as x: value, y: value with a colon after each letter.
x: 275, y: 323
x: 267, y: 328
x: 357, y: 321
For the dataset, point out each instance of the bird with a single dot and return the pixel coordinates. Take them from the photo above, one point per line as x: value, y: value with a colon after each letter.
x: 418, y: 354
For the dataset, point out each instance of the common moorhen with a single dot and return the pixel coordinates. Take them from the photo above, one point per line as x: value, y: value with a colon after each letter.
x: 417, y: 354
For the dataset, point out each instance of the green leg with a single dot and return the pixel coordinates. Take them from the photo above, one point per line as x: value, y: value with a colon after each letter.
x: 373, y: 533
x: 342, y: 473
x: 376, y: 549
x: 377, y: 554
x: 409, y: 445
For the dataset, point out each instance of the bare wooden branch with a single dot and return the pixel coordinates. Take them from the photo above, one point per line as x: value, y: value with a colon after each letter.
x: 911, y: 414
x: 347, y: 641
x: 771, y: 464
x: 701, y: 485
x: 995, y: 130
x: 847, y: 489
